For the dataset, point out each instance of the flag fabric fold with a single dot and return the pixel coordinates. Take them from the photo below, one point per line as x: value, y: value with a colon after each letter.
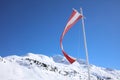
x: 75, y: 16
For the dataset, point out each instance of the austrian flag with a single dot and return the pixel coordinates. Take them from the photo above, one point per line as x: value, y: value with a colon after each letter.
x: 75, y: 16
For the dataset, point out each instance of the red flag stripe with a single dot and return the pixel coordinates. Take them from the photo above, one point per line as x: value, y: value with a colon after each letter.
x: 75, y: 16
x: 73, y: 13
x: 70, y: 59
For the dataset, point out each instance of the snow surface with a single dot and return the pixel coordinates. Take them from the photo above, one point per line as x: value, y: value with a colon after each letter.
x: 41, y: 67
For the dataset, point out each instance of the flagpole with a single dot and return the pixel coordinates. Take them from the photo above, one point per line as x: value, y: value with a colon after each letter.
x: 85, y: 45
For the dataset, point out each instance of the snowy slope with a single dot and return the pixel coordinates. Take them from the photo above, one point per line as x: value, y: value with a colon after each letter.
x: 41, y: 67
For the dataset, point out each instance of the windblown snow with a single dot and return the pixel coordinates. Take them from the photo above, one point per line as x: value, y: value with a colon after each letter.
x: 41, y: 67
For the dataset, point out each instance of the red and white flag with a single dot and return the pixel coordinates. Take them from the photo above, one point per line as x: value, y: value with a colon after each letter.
x: 75, y: 16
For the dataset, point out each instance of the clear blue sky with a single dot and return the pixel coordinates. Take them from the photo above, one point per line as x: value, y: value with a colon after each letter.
x: 36, y: 25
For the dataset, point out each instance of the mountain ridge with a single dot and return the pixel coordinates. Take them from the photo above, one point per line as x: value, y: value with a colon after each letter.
x: 41, y: 67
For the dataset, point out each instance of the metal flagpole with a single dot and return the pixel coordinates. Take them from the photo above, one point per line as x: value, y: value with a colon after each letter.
x: 85, y: 44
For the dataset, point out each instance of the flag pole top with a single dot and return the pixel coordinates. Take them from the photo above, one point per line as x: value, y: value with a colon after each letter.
x: 81, y: 12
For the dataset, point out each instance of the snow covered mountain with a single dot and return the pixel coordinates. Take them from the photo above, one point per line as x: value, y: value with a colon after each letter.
x: 41, y: 67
